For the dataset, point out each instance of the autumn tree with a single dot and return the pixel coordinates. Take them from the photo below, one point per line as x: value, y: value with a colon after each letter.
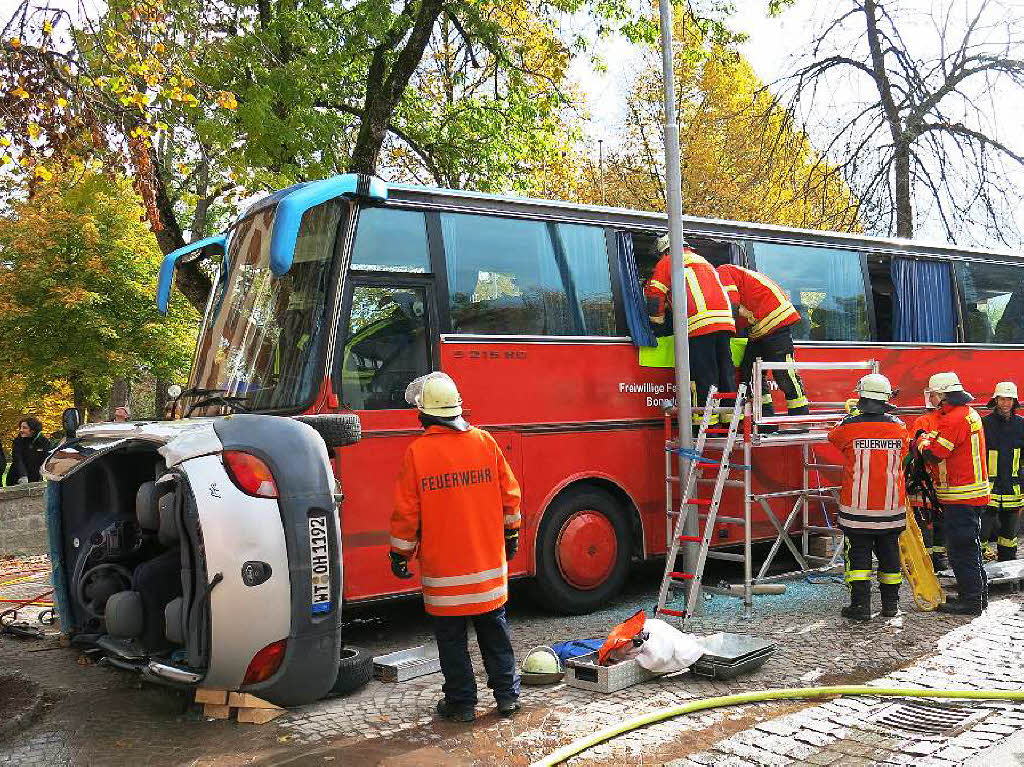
x: 77, y: 276
x: 909, y: 98
x: 736, y: 164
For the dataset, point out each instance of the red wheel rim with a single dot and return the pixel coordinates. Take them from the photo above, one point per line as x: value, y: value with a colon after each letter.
x: 586, y: 549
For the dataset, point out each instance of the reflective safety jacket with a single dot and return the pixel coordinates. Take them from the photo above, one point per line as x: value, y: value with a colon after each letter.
x: 707, y: 305
x: 1004, y: 438
x: 454, y: 499
x: 873, y: 495
x: 762, y: 304
x: 959, y: 445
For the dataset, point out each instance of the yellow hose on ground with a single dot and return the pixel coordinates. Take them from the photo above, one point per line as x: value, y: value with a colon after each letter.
x: 788, y: 693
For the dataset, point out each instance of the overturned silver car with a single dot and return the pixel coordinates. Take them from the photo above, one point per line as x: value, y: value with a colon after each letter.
x: 203, y: 552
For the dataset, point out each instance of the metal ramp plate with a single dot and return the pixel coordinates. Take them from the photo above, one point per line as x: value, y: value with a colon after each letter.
x: 998, y: 572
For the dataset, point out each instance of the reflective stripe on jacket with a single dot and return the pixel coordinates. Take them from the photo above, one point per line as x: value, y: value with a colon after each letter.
x: 454, y: 499
x: 959, y: 444
x: 873, y: 495
x: 708, y: 308
x: 1004, y: 438
x: 761, y: 302
x: 926, y: 423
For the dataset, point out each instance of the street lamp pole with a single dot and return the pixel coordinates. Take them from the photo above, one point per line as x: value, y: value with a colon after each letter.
x: 679, y: 309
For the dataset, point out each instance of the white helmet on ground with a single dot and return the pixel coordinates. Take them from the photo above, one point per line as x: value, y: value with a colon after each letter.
x: 875, y: 386
x: 542, y: 666
x: 435, y: 394
x: 944, y: 383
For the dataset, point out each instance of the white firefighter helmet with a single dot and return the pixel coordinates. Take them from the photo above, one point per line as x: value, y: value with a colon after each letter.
x: 1005, y: 389
x: 944, y: 383
x: 435, y: 394
x: 875, y: 386
x: 542, y: 666
x: 664, y: 243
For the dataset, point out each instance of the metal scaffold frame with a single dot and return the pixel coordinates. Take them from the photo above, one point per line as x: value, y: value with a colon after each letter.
x: 753, y: 437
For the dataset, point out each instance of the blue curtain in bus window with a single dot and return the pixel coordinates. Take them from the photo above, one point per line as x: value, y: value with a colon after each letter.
x: 632, y: 293
x: 923, y: 309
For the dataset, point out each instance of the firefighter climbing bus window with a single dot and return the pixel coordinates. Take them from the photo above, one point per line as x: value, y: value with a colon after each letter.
x: 264, y: 341
x: 387, y: 345
x: 517, y: 277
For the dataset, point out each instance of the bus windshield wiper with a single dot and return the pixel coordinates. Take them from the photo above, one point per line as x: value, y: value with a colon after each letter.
x: 234, y: 402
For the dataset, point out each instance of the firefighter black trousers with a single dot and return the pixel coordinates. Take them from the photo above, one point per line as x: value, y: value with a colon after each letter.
x: 710, y: 365
x: 885, y: 545
x: 999, y: 526
x: 776, y: 347
x: 963, y: 547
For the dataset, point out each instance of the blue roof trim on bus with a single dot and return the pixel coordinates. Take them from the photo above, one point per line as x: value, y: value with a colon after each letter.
x: 292, y: 207
x: 163, y: 286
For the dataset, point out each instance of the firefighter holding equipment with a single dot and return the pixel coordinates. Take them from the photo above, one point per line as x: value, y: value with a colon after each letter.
x: 872, y: 508
x: 763, y: 307
x: 921, y: 477
x: 957, y: 447
x: 709, y: 320
x: 456, y: 507
x: 1004, y: 436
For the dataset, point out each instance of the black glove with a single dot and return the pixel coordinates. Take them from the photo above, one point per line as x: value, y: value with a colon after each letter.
x: 400, y: 566
x: 511, y: 543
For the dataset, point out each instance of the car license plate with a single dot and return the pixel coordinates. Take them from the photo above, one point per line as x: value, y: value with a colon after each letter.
x: 320, y: 560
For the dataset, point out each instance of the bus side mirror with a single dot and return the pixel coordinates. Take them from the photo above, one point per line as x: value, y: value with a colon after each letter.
x: 208, y: 246
x: 293, y: 206
x: 70, y: 420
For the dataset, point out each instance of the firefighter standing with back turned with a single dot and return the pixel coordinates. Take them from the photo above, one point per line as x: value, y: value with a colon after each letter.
x: 457, y: 503
x: 957, y: 447
x: 1004, y: 436
x: 709, y: 321
x: 872, y: 507
x: 763, y: 306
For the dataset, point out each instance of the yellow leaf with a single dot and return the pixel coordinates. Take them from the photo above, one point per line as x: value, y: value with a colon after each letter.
x: 43, y: 173
x: 15, y: 42
x: 227, y: 100
x: 4, y: 141
x: 159, y: 48
x: 47, y: 27
x: 62, y: 102
x: 34, y: 130
x: 20, y: 92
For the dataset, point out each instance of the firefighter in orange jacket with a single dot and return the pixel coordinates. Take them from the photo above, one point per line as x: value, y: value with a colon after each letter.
x: 872, y: 502
x: 957, y: 447
x: 763, y: 307
x: 456, y: 506
x: 709, y: 321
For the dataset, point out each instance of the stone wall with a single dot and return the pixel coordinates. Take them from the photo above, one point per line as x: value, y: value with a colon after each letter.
x: 23, y: 520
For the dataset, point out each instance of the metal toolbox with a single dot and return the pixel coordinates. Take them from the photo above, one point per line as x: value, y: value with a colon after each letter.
x: 729, y: 655
x: 584, y: 672
x: 406, y: 664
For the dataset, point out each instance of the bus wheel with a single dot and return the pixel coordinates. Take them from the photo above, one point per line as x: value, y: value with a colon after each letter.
x: 583, y: 552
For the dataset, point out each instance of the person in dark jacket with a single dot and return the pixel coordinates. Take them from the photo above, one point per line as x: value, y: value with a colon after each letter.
x: 1004, y: 438
x: 28, y: 452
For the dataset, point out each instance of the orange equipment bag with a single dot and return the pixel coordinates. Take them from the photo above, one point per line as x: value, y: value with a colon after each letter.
x: 621, y: 636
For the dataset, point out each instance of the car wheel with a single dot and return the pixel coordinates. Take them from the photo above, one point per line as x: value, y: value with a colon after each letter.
x: 354, y: 671
x: 583, y: 552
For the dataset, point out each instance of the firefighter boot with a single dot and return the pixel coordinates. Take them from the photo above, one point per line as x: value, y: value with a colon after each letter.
x: 859, y: 608
x: 1006, y: 553
x: 890, y: 599
x: 940, y: 562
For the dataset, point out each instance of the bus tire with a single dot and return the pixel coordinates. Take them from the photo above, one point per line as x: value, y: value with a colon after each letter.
x: 583, y: 552
x: 337, y: 430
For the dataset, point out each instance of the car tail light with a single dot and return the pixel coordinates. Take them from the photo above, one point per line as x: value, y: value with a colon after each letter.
x: 265, y: 663
x: 250, y: 474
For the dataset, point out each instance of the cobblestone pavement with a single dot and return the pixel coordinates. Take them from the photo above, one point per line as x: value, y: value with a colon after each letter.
x: 102, y: 716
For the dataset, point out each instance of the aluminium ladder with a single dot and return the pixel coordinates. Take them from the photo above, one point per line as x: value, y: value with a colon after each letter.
x: 672, y: 577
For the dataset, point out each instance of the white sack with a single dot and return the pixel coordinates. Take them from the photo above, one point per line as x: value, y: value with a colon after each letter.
x: 667, y: 649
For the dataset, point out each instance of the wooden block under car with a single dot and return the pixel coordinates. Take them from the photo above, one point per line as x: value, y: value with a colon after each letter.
x: 216, y: 697
x: 258, y: 715
x: 247, y: 700
x: 216, y: 711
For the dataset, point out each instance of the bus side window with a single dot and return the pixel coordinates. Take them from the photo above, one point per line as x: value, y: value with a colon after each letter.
x: 391, y: 240
x: 992, y: 302
x: 828, y: 286
x: 517, y: 277
x: 882, y: 289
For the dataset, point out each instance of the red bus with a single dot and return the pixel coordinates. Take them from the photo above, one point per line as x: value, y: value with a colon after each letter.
x: 333, y: 295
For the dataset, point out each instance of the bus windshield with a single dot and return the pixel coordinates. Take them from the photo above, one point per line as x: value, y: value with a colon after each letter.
x: 264, y: 336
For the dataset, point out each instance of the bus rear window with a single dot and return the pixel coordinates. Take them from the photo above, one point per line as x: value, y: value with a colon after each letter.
x: 827, y: 286
x: 515, y: 277
x: 993, y: 302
